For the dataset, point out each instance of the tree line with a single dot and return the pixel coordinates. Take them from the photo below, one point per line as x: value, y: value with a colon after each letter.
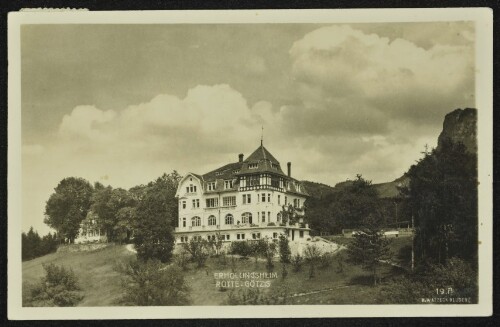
x: 146, y: 212
x: 33, y: 245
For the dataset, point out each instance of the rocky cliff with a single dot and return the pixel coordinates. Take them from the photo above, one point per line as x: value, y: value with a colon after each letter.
x: 460, y: 125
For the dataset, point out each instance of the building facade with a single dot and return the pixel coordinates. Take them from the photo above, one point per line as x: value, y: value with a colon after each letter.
x: 245, y: 200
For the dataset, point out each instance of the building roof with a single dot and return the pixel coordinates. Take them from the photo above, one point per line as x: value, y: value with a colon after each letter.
x: 265, y: 163
x: 264, y: 160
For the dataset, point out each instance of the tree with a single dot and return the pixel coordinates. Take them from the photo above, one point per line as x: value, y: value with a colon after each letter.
x: 345, y: 208
x: 107, y: 203
x: 156, y: 215
x: 59, y: 287
x: 68, y: 206
x: 284, y: 249
x: 198, y: 248
x: 30, y: 247
x: 151, y: 283
x: 312, y: 255
x: 216, y: 243
x: 442, y: 200
x: 369, y: 247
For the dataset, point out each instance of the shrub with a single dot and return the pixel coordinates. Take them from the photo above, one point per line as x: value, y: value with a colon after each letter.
x: 242, y: 248
x: 255, y: 296
x: 456, y: 276
x: 325, y: 260
x: 199, y: 250
x: 284, y: 249
x: 181, y: 259
x: 151, y: 283
x: 297, y: 262
x: 312, y: 255
x: 59, y: 287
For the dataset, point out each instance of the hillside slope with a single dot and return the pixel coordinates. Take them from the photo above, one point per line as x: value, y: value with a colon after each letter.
x: 99, y: 281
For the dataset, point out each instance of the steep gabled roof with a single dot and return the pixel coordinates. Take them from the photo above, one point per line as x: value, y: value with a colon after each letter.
x: 264, y: 160
x: 224, y: 172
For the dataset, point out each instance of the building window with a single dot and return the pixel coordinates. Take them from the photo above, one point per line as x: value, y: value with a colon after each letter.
x: 195, y: 221
x: 211, y: 186
x: 275, y: 235
x: 229, y: 219
x: 196, y: 203
x: 218, y: 173
x: 212, y: 203
x: 301, y: 233
x: 269, y: 216
x: 235, y: 171
x: 253, y: 166
x: 191, y: 188
x: 246, y: 218
x: 263, y: 199
x: 256, y: 236
x: 279, y: 199
x: 274, y: 166
x: 183, y: 222
x: 268, y: 197
x: 240, y: 236
x: 247, y: 199
x: 286, y: 200
x: 183, y: 204
x: 212, y: 221
x: 228, y: 184
x: 278, y: 217
x: 229, y: 201
x: 263, y: 216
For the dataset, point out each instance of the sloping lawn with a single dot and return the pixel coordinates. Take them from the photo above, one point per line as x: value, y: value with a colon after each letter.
x: 99, y: 281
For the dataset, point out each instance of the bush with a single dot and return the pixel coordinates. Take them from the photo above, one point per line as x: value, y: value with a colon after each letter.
x: 199, y: 250
x: 151, y: 283
x: 242, y: 248
x: 312, y: 255
x: 456, y: 276
x: 59, y: 287
x: 181, y: 259
x: 284, y: 249
x: 325, y: 260
x: 255, y: 296
x: 297, y: 261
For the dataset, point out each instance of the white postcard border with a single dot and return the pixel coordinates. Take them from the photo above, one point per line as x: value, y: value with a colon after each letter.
x: 484, y: 100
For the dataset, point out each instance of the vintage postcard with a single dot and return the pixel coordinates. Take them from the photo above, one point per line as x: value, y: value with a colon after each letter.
x: 304, y: 163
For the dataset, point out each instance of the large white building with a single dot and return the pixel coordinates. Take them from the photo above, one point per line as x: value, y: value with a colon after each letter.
x: 244, y: 200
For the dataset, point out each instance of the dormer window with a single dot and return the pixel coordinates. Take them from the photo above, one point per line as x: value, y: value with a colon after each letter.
x: 211, y: 186
x: 228, y: 184
x: 236, y: 171
x: 218, y: 173
x: 274, y: 166
x: 253, y: 166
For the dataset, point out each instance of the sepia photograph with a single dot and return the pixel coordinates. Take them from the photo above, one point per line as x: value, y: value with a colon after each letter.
x: 311, y: 161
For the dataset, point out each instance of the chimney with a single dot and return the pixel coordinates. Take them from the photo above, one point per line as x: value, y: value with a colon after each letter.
x: 289, y: 164
x: 240, y: 156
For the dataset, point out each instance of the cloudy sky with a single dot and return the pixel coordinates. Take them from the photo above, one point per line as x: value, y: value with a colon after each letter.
x: 121, y: 104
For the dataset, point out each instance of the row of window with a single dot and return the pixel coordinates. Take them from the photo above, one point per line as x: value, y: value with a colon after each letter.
x: 230, y: 201
x: 253, y: 180
x: 227, y: 237
x: 246, y: 218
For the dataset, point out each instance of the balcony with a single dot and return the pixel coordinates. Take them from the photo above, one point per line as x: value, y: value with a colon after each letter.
x: 238, y: 226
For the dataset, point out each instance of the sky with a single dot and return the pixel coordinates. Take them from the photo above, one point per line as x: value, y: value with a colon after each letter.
x: 123, y: 104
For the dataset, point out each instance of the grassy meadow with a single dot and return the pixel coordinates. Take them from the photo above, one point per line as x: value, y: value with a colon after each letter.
x: 332, y: 284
